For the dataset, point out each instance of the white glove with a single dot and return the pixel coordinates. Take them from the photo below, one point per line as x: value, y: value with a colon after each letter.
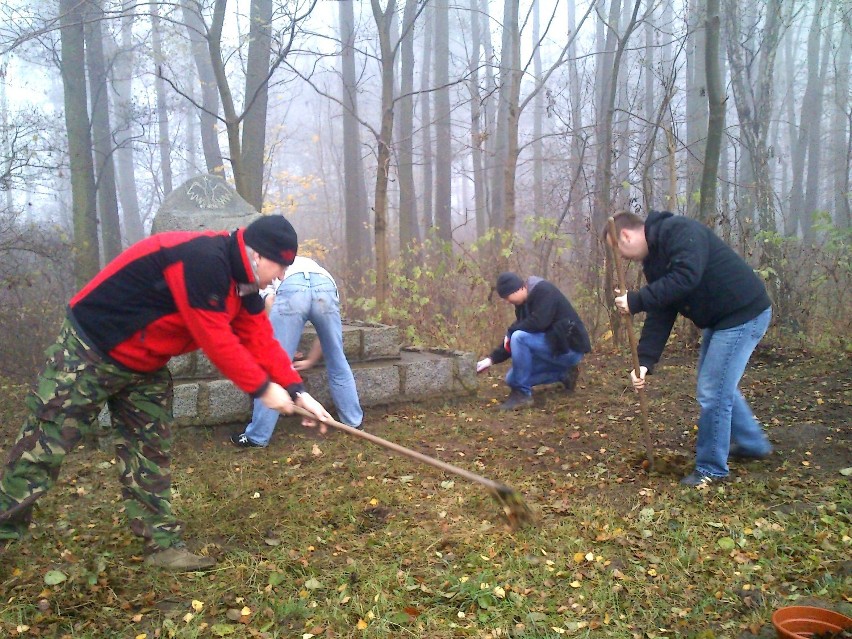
x: 638, y: 382
x: 483, y: 364
x: 622, y: 305
x: 313, y: 406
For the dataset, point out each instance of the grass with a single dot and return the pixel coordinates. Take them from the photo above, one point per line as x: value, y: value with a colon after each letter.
x: 332, y: 537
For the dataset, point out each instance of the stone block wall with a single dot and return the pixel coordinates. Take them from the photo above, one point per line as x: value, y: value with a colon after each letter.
x: 385, y: 373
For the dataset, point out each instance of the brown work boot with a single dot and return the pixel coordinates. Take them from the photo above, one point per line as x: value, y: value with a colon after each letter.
x: 179, y: 559
x: 515, y: 401
x: 569, y: 380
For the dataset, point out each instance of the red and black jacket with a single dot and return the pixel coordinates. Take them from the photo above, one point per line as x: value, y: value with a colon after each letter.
x: 175, y: 292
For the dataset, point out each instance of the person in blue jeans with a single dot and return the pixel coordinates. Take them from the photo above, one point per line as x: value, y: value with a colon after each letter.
x: 546, y: 342
x: 307, y: 292
x: 692, y: 272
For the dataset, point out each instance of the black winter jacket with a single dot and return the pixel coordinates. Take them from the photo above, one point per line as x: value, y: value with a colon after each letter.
x: 547, y: 311
x: 692, y: 272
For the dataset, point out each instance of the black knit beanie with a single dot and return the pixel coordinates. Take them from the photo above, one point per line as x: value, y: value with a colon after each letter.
x: 274, y: 238
x: 508, y: 283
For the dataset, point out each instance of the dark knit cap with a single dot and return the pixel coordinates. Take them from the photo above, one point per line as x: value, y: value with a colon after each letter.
x: 274, y: 238
x: 508, y: 283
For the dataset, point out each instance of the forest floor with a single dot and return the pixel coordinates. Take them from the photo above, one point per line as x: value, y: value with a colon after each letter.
x: 331, y: 536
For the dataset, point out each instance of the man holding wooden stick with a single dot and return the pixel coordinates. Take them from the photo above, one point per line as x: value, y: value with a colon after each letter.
x: 692, y: 272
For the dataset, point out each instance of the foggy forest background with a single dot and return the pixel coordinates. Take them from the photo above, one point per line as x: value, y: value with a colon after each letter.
x: 421, y: 146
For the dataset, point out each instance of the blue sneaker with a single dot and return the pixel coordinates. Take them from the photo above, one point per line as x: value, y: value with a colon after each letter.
x: 697, y: 479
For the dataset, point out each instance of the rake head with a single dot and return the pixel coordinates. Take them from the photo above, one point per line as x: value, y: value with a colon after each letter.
x: 515, y: 509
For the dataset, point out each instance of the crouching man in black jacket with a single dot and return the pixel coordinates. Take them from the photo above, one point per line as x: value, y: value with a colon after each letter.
x: 546, y: 342
x: 692, y: 272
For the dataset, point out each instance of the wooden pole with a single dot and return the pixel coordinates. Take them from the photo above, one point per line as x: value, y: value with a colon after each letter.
x: 407, y: 452
x: 634, y: 347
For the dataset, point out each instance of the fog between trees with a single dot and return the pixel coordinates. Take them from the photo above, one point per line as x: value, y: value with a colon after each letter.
x: 497, y: 135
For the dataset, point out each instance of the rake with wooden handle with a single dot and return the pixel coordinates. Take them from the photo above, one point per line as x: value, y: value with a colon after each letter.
x: 514, y: 508
x: 634, y: 348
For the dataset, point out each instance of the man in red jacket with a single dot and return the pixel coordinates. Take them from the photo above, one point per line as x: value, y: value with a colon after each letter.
x: 169, y: 294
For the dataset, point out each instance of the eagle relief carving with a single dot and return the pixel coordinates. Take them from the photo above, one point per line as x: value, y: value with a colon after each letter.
x: 209, y: 194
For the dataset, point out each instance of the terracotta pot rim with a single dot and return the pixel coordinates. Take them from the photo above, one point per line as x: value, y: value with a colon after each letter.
x: 790, y: 615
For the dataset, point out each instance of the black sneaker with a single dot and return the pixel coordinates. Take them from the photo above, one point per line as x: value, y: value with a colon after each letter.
x: 698, y: 479
x: 240, y: 439
x: 569, y: 381
x: 738, y: 453
x: 515, y: 401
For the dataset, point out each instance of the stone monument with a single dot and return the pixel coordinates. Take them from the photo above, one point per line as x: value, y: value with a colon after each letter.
x: 203, y: 203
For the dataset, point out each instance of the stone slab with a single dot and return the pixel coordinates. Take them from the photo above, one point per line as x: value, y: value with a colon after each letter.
x: 424, y: 374
x: 379, y: 342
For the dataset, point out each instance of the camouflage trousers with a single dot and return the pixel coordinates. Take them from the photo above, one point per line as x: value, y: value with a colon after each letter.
x: 69, y: 395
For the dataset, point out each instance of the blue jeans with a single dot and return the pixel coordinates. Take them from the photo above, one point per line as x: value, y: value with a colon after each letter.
x: 302, y: 297
x: 725, y: 416
x: 534, y: 362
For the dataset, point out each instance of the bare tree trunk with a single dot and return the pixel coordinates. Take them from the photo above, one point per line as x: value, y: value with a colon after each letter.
x: 256, y: 100
x: 122, y: 78
x: 358, y: 244
x: 476, y: 134
x: 164, y: 141
x: 6, y: 141
x: 753, y: 97
x: 696, y: 103
x: 716, y: 123
x: 443, y: 129
x: 409, y: 229
x: 488, y: 112
x: 649, y: 170
x: 621, y: 125
x: 427, y: 186
x: 107, y: 197
x: 603, y: 169
x: 604, y: 163
x: 190, y: 118
x: 812, y: 186
x: 505, y: 149
x: 538, y: 117
x: 83, y: 200
x: 797, y: 148
x: 229, y: 111
x: 383, y: 22
x: 579, y: 137
x: 668, y: 65
x: 209, y: 112
x: 841, y: 120
x: 796, y: 218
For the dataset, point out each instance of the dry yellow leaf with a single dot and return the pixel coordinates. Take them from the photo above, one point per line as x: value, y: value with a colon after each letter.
x: 578, y: 557
x: 374, y: 501
x: 361, y: 625
x: 246, y: 611
x: 197, y: 606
